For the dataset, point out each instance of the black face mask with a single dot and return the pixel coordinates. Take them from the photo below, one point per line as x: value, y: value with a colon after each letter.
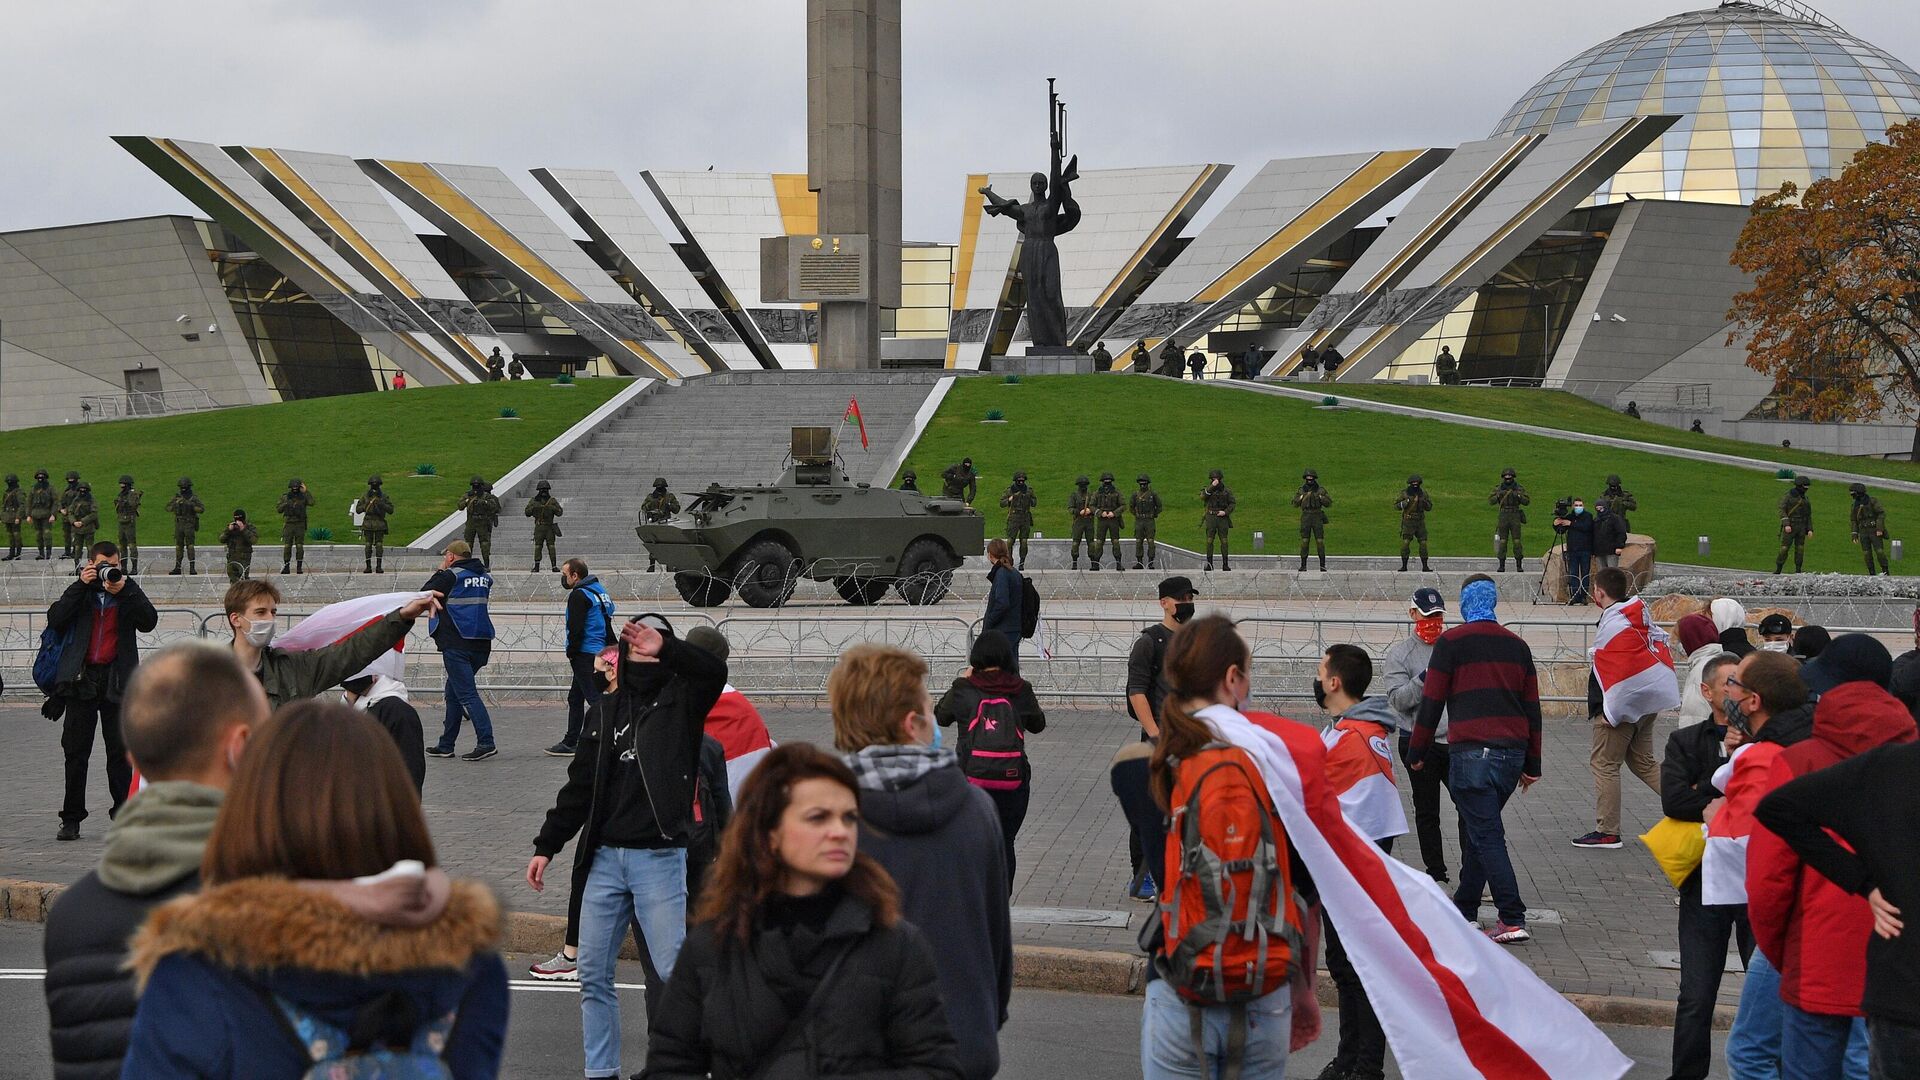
x: 1319, y: 696
x: 1183, y: 611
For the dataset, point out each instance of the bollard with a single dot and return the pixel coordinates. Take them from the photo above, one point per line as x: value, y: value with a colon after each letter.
x: 1038, y: 535
x: 1896, y: 551
x: 1706, y: 547
x: 1259, y: 540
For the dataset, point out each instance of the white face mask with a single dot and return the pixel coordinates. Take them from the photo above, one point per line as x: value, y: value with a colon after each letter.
x: 1775, y: 646
x: 259, y: 633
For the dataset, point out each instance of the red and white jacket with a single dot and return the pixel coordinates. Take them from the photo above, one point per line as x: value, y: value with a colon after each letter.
x: 1360, y: 768
x: 742, y: 734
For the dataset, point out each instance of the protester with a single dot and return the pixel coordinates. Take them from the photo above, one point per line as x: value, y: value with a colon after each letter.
x: 101, y: 613
x: 253, y: 608
x: 1730, y: 619
x: 465, y: 639
x: 937, y: 835
x: 564, y: 966
x: 734, y: 721
x: 264, y: 975
x: 1003, y: 596
x: 629, y: 795
x: 1127, y: 775
x: 1814, y: 932
x: 1146, y: 693
x: 1776, y: 633
x: 1694, y: 754
x: 384, y: 698
x: 993, y: 710
x: 1403, y: 675
x: 1809, y: 642
x: 589, y: 632
x: 801, y: 963
x: 1869, y: 803
x: 187, y: 713
x: 1482, y: 676
x: 1701, y: 640
x: 1630, y: 683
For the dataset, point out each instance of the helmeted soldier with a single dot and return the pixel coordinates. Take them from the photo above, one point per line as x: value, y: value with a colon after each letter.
x: 238, y: 538
x: 1413, y: 504
x: 1145, y: 506
x: 13, y: 510
x: 1108, y: 504
x: 126, y: 512
x: 1019, y: 501
x: 1313, y: 500
x: 482, y: 511
x: 1080, y: 512
x: 293, y: 528
x: 186, y: 509
x: 41, y: 505
x: 1796, y: 524
x: 1509, y: 497
x: 67, y: 495
x: 1869, y: 527
x: 909, y: 481
x: 1217, y: 518
x: 375, y: 506
x: 960, y: 481
x: 656, y: 508
x: 1619, y: 499
x: 544, y: 509
x: 84, y: 514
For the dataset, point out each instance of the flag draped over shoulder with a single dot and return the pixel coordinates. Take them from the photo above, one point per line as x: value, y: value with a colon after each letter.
x: 1453, y: 1003
x: 1634, y: 664
x: 1360, y: 770
x: 337, y: 622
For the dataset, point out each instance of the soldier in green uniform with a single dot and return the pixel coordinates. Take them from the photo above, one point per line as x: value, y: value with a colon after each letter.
x: 1509, y: 497
x: 543, y: 508
x: 483, y: 511
x: 1107, y: 507
x: 1313, y: 500
x: 1019, y: 501
x: 293, y: 529
x: 1080, y: 511
x: 13, y: 509
x: 493, y: 522
x: 656, y: 508
x: 960, y: 481
x: 1796, y: 524
x: 239, y: 537
x: 84, y: 514
x: 374, y: 508
x: 1413, y: 505
x: 1145, y: 506
x: 1619, y: 499
x: 126, y: 511
x: 40, y: 509
x: 186, y: 509
x: 1870, y: 527
x: 910, y: 481
x: 67, y: 495
x: 1217, y: 519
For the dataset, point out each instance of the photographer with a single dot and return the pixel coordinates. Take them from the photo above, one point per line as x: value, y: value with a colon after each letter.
x: 101, y: 615
x: 239, y: 537
x: 1571, y: 520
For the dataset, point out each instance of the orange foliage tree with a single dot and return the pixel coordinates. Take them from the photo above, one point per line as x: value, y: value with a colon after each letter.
x: 1834, y: 312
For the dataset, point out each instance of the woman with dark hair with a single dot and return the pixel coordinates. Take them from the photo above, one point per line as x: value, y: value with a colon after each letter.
x: 275, y: 968
x: 800, y: 964
x: 1004, y: 595
x: 994, y: 710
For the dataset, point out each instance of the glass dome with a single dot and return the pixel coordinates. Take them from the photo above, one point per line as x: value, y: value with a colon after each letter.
x: 1766, y: 93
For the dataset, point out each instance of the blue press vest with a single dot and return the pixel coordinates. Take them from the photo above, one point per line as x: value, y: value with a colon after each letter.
x: 467, y: 604
x: 598, y: 633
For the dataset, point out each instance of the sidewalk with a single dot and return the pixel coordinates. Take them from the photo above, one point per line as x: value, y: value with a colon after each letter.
x: 1612, y: 910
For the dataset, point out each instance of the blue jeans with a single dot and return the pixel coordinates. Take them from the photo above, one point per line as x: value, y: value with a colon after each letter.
x: 1482, y: 779
x: 1579, y: 566
x: 1166, y: 1036
x: 647, y: 886
x: 464, y: 697
x: 1818, y: 1047
x: 1753, y: 1046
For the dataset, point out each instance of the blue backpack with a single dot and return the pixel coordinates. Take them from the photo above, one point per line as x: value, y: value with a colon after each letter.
x: 46, y: 662
x: 333, y: 1057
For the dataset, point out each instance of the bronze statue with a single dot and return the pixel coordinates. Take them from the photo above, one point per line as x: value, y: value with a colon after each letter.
x: 1052, y: 213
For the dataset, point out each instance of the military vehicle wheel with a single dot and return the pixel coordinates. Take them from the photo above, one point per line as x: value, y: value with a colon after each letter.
x: 701, y: 590
x: 767, y: 574
x: 860, y: 590
x: 925, y: 572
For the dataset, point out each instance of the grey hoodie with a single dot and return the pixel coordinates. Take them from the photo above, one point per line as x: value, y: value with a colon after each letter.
x: 1375, y: 710
x: 1402, y: 672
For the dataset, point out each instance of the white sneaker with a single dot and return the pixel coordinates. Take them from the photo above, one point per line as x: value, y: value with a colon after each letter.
x: 562, y: 968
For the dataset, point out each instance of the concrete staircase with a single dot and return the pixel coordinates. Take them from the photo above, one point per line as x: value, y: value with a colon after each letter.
x: 730, y: 428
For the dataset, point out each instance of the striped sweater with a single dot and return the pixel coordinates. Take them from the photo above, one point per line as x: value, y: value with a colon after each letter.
x: 1482, y: 677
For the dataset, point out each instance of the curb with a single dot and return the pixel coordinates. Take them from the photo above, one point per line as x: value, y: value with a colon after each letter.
x: 1035, y: 967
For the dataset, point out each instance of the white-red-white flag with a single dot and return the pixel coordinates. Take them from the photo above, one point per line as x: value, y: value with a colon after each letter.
x: 1634, y: 664
x: 337, y: 622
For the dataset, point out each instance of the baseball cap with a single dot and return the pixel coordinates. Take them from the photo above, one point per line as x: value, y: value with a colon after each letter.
x: 1177, y: 588
x: 1428, y: 602
x: 710, y: 639
x: 1776, y: 623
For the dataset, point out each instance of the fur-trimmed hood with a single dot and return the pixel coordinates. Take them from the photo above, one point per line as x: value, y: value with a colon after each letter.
x: 266, y: 926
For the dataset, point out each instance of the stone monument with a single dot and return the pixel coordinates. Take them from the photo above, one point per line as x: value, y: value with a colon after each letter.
x: 1052, y: 212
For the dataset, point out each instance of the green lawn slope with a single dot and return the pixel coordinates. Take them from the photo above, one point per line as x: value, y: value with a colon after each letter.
x: 1060, y: 426
x: 1570, y: 412
x: 244, y: 457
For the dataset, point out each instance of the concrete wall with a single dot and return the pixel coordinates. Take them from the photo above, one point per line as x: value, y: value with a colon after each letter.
x: 79, y: 306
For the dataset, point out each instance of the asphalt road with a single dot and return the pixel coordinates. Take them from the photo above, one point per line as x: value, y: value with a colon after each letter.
x: 1050, y: 1035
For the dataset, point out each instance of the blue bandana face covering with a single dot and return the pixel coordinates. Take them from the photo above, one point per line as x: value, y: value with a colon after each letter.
x: 1477, y: 601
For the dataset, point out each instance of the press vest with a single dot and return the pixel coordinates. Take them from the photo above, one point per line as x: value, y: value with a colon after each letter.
x: 467, y: 604
x: 598, y: 633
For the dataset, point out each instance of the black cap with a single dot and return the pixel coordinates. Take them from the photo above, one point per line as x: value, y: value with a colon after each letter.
x: 1177, y: 588
x: 1776, y: 623
x: 1428, y: 601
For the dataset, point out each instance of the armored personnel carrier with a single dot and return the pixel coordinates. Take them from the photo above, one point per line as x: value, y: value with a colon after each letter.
x: 814, y: 522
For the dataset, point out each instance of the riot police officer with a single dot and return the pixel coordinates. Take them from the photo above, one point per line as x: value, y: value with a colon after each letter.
x: 1619, y: 499
x: 1869, y: 527
x: 960, y: 481
x: 1107, y: 506
x: 292, y: 508
x: 13, y: 509
x: 375, y: 506
x: 67, y: 496
x: 84, y: 515
x: 126, y: 512
x: 1145, y: 506
x: 656, y: 508
x: 1217, y: 519
x: 1509, y: 497
x: 1413, y: 504
x: 543, y: 508
x: 186, y: 509
x: 482, y: 510
x: 239, y: 537
x: 1313, y: 500
x: 1019, y: 501
x: 910, y: 481
x: 40, y: 508
x: 1796, y: 524
x: 1080, y: 512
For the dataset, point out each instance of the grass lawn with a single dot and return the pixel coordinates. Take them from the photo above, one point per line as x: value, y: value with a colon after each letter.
x: 1559, y: 409
x: 244, y: 457
x: 1060, y: 426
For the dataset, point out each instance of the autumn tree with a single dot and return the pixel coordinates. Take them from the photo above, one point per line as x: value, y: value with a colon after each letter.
x: 1834, y: 312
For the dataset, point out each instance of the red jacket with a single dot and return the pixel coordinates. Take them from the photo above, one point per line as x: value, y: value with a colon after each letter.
x: 1811, y: 929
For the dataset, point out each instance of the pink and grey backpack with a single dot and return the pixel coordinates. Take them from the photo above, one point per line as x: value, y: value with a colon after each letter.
x: 993, y: 748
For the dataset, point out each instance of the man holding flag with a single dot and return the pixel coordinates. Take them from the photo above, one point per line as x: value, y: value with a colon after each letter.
x: 332, y: 644
x: 1631, y: 683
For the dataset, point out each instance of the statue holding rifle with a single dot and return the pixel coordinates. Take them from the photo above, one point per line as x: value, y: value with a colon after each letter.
x: 1050, y: 214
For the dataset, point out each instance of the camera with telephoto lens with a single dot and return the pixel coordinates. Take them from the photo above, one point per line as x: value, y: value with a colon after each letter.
x: 111, y: 575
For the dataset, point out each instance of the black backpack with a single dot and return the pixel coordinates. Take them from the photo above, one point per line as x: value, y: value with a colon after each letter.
x: 1029, y: 607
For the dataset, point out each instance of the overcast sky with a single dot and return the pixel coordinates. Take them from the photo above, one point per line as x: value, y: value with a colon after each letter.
x: 635, y: 84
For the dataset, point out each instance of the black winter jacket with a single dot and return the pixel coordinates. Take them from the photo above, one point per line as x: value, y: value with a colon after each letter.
x: 90, y: 998
x: 1580, y: 534
x: 956, y: 707
x: 1686, y: 773
x: 76, y: 608
x: 1609, y: 533
x: 879, y: 1012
